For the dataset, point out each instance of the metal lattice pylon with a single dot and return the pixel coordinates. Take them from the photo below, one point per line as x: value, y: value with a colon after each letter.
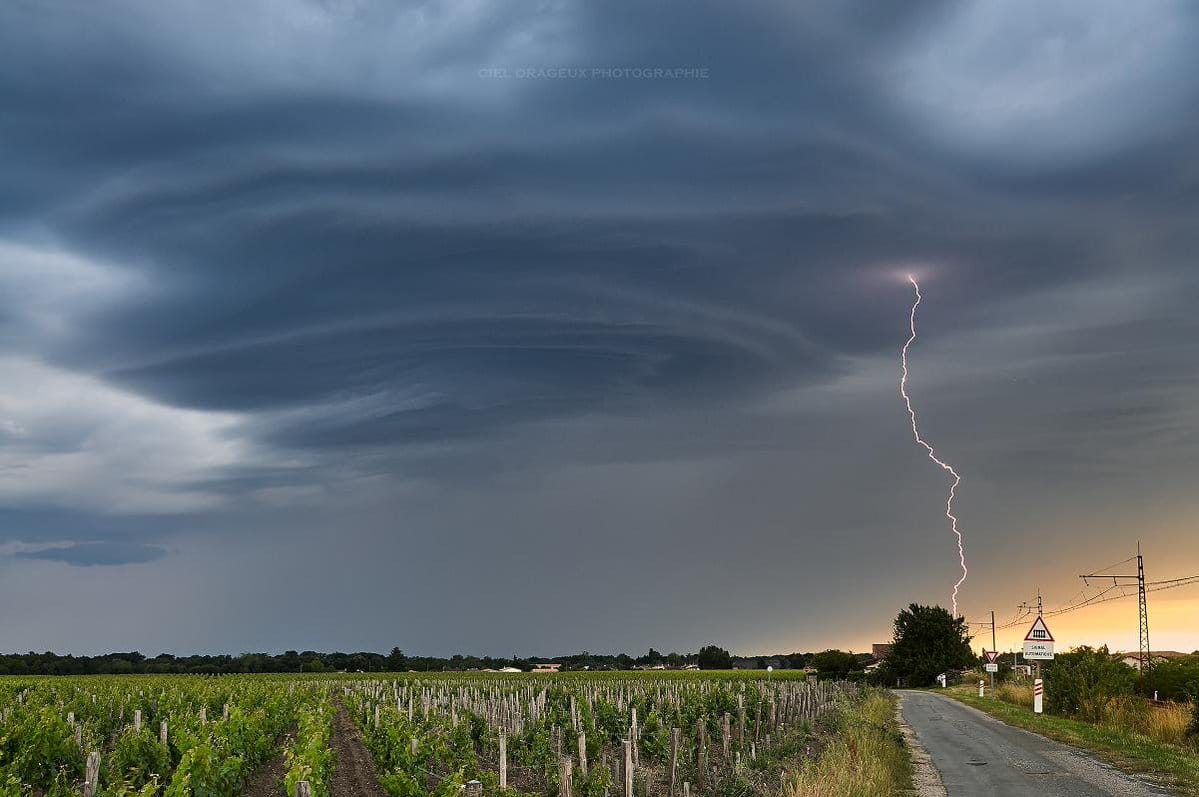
x: 1146, y: 660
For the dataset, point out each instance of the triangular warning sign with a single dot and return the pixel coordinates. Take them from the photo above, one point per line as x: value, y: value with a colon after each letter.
x: 991, y: 655
x: 1039, y: 632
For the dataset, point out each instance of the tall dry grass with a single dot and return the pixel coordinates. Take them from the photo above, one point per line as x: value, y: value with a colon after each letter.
x: 866, y: 758
x: 1017, y: 694
x: 1163, y: 722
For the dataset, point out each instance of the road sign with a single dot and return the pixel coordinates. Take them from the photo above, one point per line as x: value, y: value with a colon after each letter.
x: 991, y: 667
x: 991, y: 655
x: 1039, y: 632
x: 1038, y: 642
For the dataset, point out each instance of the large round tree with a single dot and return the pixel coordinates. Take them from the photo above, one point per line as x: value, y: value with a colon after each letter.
x: 928, y: 641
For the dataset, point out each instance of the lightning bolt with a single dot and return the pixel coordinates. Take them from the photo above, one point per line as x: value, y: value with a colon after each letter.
x: 932, y: 454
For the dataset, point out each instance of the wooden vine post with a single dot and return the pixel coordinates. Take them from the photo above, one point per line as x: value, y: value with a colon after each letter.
x: 503, y: 760
x: 628, y: 768
x: 741, y: 720
x: 91, y: 774
x: 674, y: 757
x: 565, y: 773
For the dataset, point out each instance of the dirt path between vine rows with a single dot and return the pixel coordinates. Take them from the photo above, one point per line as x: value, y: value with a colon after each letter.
x: 354, y: 772
x: 267, y: 779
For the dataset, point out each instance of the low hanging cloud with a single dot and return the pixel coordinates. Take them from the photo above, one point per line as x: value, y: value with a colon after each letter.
x: 92, y: 554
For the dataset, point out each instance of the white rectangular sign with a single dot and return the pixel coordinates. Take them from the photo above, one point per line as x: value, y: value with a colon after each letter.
x: 991, y: 667
x: 1038, y: 651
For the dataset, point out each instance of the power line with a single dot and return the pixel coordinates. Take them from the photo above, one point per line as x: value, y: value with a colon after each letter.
x: 1104, y: 595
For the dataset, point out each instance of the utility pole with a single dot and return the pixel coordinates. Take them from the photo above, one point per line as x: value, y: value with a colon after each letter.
x: 1027, y: 607
x: 1144, y: 660
x: 1143, y: 611
x: 1040, y: 613
x: 994, y: 649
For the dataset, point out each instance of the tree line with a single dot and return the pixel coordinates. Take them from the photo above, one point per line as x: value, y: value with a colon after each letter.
x: 829, y: 663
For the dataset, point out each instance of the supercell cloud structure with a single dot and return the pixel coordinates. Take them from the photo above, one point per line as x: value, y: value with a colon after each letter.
x: 347, y: 311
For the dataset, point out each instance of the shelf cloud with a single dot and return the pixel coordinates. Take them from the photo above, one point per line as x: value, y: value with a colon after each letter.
x: 583, y: 308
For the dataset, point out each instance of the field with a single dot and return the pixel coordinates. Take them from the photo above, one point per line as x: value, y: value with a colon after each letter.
x: 412, y: 735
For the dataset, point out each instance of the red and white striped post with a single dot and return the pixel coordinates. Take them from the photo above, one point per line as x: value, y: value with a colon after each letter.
x: 1038, y: 695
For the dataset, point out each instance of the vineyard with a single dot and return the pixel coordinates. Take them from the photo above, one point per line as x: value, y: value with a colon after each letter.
x: 576, y: 735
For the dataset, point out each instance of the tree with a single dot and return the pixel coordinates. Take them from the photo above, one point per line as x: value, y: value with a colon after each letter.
x: 712, y: 657
x: 1082, y: 682
x: 928, y: 641
x: 835, y: 664
x: 396, y: 661
x: 1177, y: 679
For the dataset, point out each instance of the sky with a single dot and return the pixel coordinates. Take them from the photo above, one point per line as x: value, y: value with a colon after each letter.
x: 501, y: 326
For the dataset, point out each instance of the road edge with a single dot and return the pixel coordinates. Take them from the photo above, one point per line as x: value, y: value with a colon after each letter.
x: 926, y: 778
x: 1087, y: 763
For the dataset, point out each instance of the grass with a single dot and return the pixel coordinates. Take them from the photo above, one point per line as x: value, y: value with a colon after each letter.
x: 1167, y: 722
x: 866, y: 758
x: 1134, y: 737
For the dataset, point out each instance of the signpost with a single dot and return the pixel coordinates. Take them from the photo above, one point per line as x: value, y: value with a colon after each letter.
x: 1038, y: 647
x: 1038, y: 642
x: 992, y: 665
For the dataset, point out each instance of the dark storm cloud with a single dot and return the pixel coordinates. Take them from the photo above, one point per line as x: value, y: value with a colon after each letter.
x: 273, y: 252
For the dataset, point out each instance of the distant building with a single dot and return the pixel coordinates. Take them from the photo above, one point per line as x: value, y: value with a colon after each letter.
x: 547, y: 668
x: 1156, y: 656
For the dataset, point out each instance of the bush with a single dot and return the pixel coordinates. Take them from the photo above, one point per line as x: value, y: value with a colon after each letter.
x: 1084, y: 681
x: 41, y: 749
x: 137, y: 759
x: 1177, y: 679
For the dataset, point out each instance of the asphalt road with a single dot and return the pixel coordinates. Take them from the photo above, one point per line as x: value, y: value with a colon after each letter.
x: 977, y: 755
